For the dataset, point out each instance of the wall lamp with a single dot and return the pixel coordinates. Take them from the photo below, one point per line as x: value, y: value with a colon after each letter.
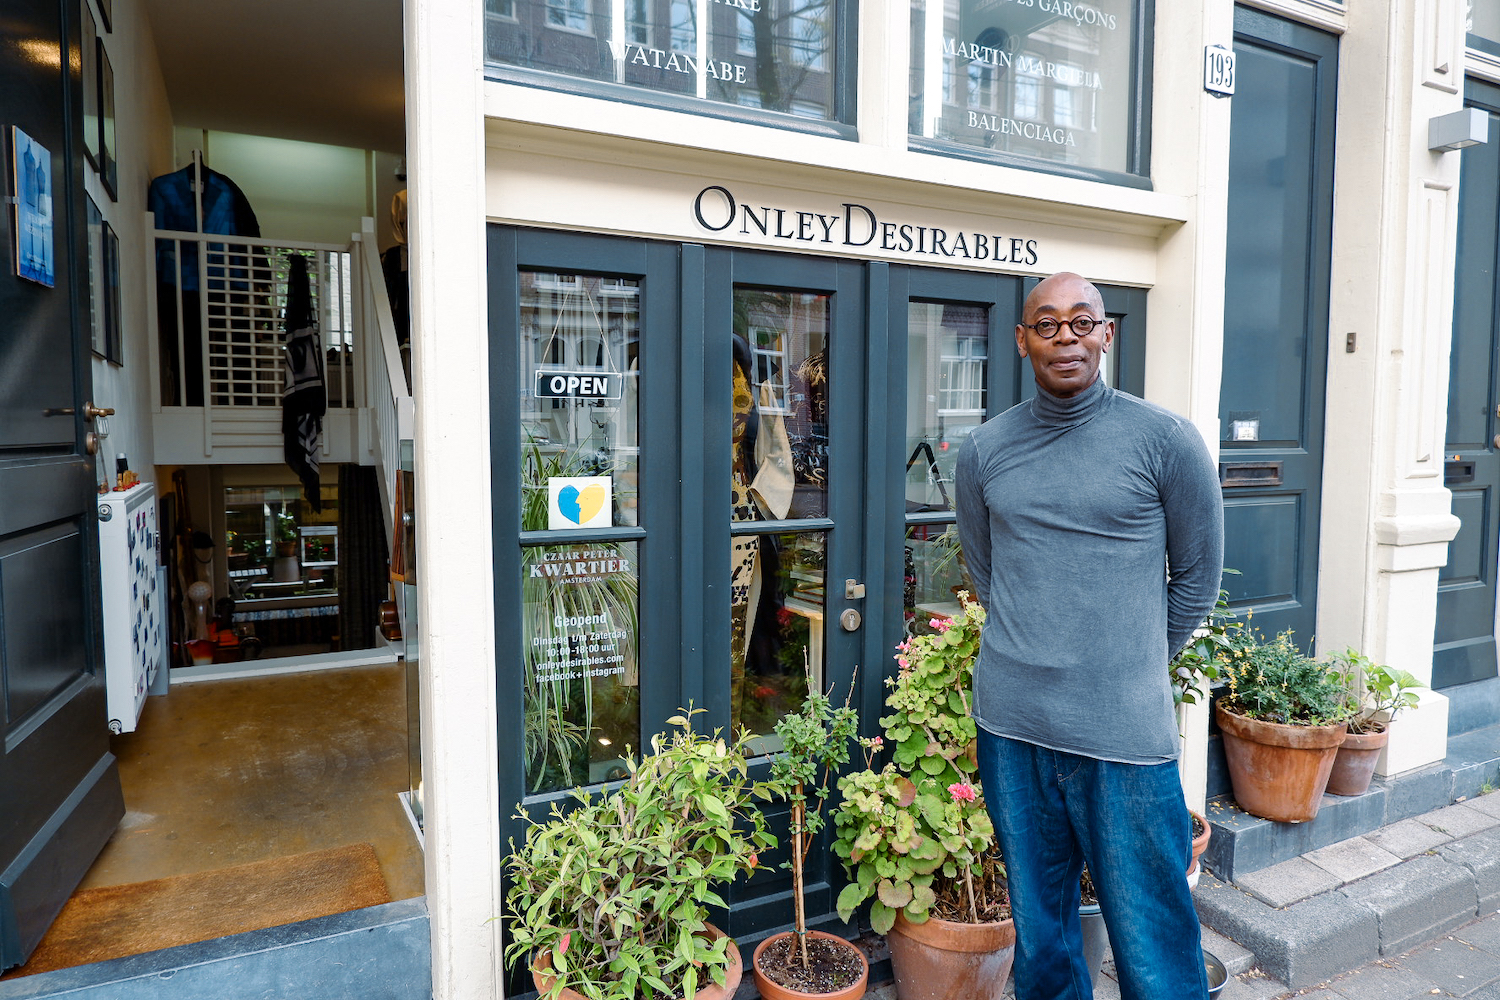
x: 1469, y: 127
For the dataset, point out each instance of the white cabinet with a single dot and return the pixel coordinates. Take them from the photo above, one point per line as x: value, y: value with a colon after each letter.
x: 134, y: 607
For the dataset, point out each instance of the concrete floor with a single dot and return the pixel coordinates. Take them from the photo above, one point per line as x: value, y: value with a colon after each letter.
x: 225, y: 772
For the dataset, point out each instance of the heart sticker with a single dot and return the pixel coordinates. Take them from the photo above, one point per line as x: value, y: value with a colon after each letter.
x: 580, y: 501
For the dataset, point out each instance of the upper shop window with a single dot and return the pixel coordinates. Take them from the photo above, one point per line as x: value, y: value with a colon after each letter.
x: 1483, y: 27
x: 1057, y: 85
x: 777, y: 56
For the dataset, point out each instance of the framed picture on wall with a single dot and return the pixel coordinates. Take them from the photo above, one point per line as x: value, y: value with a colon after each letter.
x: 90, y: 86
x: 31, y: 236
x: 107, y: 164
x: 111, y: 294
x: 96, y: 275
x: 106, y: 13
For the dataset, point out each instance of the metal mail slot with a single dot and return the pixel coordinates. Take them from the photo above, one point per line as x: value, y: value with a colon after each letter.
x: 1249, y: 474
x: 1457, y: 472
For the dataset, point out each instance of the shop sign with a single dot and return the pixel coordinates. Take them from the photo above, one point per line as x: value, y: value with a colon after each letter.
x: 579, y: 385
x: 1052, y: 79
x: 852, y: 226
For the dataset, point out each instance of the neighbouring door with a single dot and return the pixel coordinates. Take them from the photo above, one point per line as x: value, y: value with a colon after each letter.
x: 1464, y: 642
x: 1276, y: 318
x: 60, y: 793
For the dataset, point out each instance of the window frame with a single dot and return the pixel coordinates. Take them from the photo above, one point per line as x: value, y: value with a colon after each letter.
x: 845, y: 76
x: 1138, y: 150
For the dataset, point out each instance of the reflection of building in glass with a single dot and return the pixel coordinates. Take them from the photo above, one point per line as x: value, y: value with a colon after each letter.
x: 771, y: 54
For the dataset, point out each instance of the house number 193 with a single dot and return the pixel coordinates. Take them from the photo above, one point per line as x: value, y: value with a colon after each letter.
x: 1218, y: 70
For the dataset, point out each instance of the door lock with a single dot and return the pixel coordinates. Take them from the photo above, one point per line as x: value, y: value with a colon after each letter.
x: 850, y: 620
x: 853, y: 590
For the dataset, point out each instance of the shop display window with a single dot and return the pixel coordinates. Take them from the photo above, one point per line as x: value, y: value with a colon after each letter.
x: 774, y: 55
x: 1483, y: 27
x: 1058, y: 85
x: 276, y: 546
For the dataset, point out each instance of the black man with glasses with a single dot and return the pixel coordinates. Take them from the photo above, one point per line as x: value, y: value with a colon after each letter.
x: 1093, y: 528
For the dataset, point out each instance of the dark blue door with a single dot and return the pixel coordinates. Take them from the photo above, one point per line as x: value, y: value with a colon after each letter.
x: 59, y: 788
x: 1464, y: 643
x: 1276, y: 317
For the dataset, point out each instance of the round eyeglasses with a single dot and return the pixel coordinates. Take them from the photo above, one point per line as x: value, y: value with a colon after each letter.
x: 1047, y: 327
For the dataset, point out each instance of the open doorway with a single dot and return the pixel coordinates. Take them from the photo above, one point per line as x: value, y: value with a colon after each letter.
x: 245, y: 758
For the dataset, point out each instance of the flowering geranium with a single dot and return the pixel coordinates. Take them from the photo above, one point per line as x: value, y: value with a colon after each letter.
x: 914, y: 834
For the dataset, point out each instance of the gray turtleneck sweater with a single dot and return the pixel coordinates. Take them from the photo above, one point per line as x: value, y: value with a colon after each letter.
x: 1093, y: 528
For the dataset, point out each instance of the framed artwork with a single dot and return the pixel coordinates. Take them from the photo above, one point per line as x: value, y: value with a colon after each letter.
x: 107, y: 164
x: 90, y: 86
x: 111, y: 293
x: 96, y: 275
x: 31, y: 181
x: 106, y: 13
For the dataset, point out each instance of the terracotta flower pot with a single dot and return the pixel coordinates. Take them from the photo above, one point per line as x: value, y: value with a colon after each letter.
x: 1278, y: 772
x: 706, y: 991
x: 1200, y: 842
x: 946, y: 960
x: 771, y: 990
x: 1354, y: 765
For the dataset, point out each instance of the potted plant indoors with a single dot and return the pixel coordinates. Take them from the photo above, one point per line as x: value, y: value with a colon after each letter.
x: 1282, y: 719
x: 610, y: 899
x: 914, y: 835
x: 1377, y: 693
x: 802, y: 963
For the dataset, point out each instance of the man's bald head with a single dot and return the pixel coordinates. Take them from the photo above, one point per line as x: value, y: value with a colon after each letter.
x: 1054, y: 288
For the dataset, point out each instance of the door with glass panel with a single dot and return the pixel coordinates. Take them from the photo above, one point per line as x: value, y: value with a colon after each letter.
x: 783, y: 495
x: 961, y: 368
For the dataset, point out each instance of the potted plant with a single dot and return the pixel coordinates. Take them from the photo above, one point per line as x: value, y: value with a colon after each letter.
x: 1282, y: 719
x: 610, y: 899
x: 286, y: 535
x: 801, y: 963
x: 1377, y: 693
x: 914, y: 835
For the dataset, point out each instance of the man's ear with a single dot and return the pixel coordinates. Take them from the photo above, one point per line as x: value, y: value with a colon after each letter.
x: 1021, y: 340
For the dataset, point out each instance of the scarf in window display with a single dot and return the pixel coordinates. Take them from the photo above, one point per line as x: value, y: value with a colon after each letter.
x: 762, y: 486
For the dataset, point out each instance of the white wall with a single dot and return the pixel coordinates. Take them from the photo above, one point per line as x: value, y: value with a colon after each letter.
x: 144, y: 149
x: 299, y: 190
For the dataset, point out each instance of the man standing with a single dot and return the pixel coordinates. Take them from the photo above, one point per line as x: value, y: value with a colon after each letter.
x: 1093, y: 528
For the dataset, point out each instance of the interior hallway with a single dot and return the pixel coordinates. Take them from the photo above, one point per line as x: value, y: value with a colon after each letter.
x: 225, y: 772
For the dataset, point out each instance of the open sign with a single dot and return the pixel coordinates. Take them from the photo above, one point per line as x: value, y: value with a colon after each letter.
x: 579, y: 385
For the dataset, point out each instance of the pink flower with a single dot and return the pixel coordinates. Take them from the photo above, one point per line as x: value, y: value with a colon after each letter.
x: 876, y: 742
x: 941, y: 624
x: 962, y: 791
x: 901, y: 660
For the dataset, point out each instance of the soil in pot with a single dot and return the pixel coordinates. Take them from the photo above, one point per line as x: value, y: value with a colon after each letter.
x: 1354, y: 766
x: 835, y: 967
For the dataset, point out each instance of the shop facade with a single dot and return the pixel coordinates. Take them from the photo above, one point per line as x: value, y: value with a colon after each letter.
x: 690, y: 253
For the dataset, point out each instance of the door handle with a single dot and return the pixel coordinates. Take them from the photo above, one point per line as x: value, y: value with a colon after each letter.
x: 853, y: 590
x: 90, y: 411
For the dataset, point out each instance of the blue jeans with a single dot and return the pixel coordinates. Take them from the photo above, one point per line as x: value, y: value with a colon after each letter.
x: 1053, y: 812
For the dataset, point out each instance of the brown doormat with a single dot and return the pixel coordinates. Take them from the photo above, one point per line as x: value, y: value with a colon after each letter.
x: 118, y: 920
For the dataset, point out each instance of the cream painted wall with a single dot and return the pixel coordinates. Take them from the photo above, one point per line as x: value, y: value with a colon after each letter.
x: 144, y: 148
x: 299, y: 190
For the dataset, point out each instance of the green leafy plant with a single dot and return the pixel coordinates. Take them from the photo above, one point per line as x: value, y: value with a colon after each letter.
x: 815, y: 744
x: 1274, y: 681
x: 914, y: 835
x: 1196, y: 666
x: 616, y: 891
x: 286, y: 527
x: 1377, y: 693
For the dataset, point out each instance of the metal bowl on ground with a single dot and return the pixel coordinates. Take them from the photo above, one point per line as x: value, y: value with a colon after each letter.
x: 1217, y: 974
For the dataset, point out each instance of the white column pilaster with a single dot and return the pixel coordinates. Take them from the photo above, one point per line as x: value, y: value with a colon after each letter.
x: 445, y: 154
